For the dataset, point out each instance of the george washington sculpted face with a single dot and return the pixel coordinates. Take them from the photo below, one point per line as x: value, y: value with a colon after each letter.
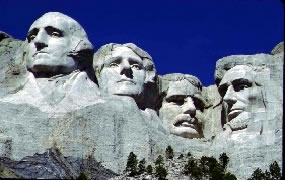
x: 52, y: 40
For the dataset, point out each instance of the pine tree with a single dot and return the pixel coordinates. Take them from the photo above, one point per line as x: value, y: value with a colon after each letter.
x: 160, y: 171
x: 275, y: 171
x: 141, y: 166
x: 229, y: 176
x: 217, y: 173
x: 149, y: 169
x: 132, y: 163
x: 159, y: 161
x: 224, y: 160
x: 169, y: 152
x: 257, y: 175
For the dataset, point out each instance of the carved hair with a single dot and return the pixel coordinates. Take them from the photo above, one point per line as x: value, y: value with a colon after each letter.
x: 179, y: 77
x: 258, y: 63
x: 106, y: 50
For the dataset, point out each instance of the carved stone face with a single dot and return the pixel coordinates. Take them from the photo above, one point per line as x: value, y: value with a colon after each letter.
x: 49, y: 42
x: 123, y: 73
x: 179, y: 109
x: 240, y: 93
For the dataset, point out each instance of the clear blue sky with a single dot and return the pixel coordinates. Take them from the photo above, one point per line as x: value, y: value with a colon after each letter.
x: 186, y: 36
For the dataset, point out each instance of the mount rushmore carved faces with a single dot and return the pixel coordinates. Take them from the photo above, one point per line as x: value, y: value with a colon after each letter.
x: 182, y: 105
x: 56, y: 43
x: 123, y: 69
x: 241, y: 95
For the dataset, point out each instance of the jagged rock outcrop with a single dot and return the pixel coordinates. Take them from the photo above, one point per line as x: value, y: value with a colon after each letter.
x: 56, y: 121
x: 52, y: 165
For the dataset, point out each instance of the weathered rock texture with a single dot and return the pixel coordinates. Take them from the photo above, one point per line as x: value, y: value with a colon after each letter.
x: 58, y: 124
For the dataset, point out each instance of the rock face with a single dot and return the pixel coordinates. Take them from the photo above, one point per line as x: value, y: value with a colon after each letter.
x: 57, y: 122
x: 252, y: 106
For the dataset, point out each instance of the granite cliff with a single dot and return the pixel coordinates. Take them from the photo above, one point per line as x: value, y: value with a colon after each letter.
x: 66, y: 109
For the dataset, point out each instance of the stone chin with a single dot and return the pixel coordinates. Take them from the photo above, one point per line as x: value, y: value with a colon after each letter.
x: 240, y: 121
x: 48, y: 65
x: 186, y: 132
x: 125, y: 89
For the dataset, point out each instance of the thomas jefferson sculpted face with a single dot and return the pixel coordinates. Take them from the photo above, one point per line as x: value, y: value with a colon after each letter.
x: 180, y: 108
x: 123, y: 73
x: 52, y: 41
x: 241, y: 94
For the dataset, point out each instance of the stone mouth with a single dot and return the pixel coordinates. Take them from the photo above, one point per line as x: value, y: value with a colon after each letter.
x: 184, y: 123
x: 127, y: 80
x: 233, y: 113
x: 184, y: 120
x: 39, y: 52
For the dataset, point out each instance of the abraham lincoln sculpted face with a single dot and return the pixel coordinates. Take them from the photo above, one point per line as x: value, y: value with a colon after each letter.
x: 241, y: 95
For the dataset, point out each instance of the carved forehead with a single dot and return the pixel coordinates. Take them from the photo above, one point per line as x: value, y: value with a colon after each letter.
x: 238, y: 72
x: 181, y: 88
x: 125, y: 52
x: 59, y: 21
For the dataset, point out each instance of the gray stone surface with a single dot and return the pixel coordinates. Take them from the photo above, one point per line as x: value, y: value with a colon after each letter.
x: 52, y: 165
x: 57, y: 122
x: 10, y: 71
x: 252, y: 137
x: 279, y: 48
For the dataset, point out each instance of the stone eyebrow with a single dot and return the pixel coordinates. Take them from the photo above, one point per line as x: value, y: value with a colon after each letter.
x: 169, y: 98
x: 113, y: 59
x: 241, y: 80
x: 51, y: 29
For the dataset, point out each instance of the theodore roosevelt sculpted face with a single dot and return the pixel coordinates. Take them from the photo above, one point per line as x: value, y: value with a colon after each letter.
x: 180, y: 108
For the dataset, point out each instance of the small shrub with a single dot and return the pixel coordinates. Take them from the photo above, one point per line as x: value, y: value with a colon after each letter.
x: 149, y: 169
x: 181, y: 156
x: 229, y: 176
x: 82, y: 176
x: 189, y: 154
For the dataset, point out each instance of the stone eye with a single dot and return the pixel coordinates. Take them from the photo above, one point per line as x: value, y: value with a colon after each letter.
x: 176, y: 101
x: 31, y: 37
x: 241, y: 87
x: 113, y: 65
x: 55, y: 34
x: 136, y: 66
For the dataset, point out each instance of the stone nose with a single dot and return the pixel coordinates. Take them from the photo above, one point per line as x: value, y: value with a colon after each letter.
x: 189, y: 107
x: 229, y: 97
x: 40, y: 40
x: 125, y: 68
